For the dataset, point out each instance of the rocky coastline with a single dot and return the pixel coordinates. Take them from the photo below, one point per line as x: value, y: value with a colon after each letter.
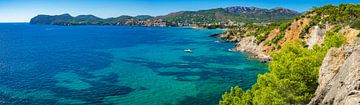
x: 246, y: 45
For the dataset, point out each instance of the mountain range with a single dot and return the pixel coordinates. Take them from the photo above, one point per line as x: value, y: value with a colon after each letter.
x: 218, y: 16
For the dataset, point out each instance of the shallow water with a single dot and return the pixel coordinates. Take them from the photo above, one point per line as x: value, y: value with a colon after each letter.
x: 44, y: 64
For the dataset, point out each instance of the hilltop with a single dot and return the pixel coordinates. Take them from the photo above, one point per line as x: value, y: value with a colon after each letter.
x: 211, y: 18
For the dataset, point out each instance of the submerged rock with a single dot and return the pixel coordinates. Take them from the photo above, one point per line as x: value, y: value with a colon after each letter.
x: 339, y: 77
x: 215, y: 35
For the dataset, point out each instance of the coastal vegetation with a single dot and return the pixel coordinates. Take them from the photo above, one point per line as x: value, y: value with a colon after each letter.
x: 294, y: 68
x: 355, y: 24
x: 292, y: 78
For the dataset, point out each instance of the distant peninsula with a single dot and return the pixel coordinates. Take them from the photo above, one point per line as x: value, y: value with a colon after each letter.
x: 211, y: 18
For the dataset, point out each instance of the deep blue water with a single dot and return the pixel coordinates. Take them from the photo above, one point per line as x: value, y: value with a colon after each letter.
x: 44, y: 64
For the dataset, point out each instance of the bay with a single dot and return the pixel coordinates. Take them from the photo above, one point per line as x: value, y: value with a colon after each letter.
x: 46, y: 64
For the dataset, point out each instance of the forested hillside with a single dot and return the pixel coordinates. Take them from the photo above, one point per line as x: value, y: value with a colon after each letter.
x: 211, y: 18
x: 297, y: 50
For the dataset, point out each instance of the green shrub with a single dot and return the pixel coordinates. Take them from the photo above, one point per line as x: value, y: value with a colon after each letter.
x: 291, y: 80
x: 260, y: 32
x: 278, y: 37
x: 333, y: 40
x: 232, y: 97
x: 284, y: 26
x: 260, y: 38
x: 337, y: 29
x: 267, y: 43
x: 355, y: 24
x: 304, y: 31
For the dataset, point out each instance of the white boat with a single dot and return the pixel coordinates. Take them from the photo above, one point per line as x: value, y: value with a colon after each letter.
x: 188, y: 50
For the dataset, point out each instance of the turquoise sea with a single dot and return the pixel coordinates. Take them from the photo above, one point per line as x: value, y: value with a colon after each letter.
x: 45, y: 64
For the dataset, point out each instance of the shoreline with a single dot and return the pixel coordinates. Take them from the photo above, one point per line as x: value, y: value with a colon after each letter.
x: 192, y: 27
x: 252, y: 55
x: 246, y: 46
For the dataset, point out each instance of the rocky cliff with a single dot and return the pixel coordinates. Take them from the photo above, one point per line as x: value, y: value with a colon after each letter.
x: 248, y: 37
x: 311, y: 28
x: 326, y: 59
x: 339, y: 77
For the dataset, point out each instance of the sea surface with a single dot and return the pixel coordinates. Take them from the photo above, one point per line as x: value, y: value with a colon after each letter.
x: 46, y: 64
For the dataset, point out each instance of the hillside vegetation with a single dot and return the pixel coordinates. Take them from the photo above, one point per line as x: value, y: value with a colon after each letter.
x: 211, y: 18
x: 297, y: 50
x: 236, y: 14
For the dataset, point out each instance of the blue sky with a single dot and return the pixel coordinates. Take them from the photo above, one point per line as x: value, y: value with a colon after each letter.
x: 23, y: 10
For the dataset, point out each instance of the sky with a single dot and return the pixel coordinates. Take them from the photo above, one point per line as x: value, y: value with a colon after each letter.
x: 24, y: 10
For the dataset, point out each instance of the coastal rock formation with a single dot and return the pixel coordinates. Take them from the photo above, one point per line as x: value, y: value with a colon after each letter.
x: 315, y: 35
x: 339, y: 77
x: 229, y: 37
x: 248, y: 42
x: 249, y: 45
x: 351, y: 35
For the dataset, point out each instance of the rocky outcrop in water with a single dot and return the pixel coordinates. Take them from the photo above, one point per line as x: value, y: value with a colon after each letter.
x: 339, y: 77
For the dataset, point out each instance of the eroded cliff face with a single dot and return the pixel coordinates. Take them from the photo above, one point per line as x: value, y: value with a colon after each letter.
x: 294, y: 30
x: 339, y: 77
x: 316, y: 36
x: 248, y: 43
